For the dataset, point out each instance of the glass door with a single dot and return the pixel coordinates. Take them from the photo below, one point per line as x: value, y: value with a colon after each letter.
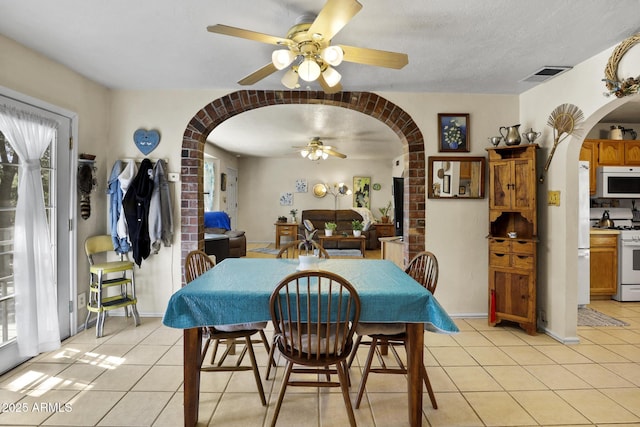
x: 56, y: 185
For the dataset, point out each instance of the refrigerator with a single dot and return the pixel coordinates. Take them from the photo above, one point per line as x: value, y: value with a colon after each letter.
x: 584, y: 206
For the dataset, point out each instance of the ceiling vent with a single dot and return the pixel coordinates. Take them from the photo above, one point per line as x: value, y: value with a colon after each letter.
x: 545, y: 73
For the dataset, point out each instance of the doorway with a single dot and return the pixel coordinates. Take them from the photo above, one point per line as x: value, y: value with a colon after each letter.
x: 56, y: 177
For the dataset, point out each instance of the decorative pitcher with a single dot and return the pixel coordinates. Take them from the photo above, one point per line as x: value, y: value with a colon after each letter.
x: 511, y: 135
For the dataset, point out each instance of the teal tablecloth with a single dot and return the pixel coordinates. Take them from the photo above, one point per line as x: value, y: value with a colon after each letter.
x: 237, y: 290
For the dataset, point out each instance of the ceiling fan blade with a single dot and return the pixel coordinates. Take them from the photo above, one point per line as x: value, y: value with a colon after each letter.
x: 329, y: 89
x: 256, y: 76
x: 333, y: 17
x: 247, y: 34
x: 334, y: 153
x: 380, y: 58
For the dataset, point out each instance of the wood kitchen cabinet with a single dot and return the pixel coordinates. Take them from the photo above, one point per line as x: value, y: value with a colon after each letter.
x: 512, y: 261
x: 603, y: 264
x: 608, y: 152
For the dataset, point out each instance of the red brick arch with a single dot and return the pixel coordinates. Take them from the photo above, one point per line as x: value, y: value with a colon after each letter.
x: 201, y: 125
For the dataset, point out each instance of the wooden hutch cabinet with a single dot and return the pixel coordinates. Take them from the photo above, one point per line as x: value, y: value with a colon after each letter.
x: 512, y: 261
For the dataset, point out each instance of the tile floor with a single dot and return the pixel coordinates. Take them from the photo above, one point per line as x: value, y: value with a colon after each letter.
x: 483, y: 376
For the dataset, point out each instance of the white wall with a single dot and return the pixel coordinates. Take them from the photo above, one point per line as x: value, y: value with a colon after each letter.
x: 557, y: 251
x: 35, y: 76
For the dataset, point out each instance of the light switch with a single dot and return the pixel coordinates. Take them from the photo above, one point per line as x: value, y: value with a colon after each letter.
x: 173, y: 176
x: 553, y: 198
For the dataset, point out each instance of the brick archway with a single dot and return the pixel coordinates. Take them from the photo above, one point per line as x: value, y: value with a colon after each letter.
x: 199, y: 127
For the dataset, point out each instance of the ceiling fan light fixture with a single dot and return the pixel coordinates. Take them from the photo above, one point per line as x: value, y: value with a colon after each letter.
x: 324, y: 155
x: 290, y: 79
x: 282, y: 58
x: 332, y: 55
x: 304, y: 152
x: 331, y: 76
x: 309, y: 70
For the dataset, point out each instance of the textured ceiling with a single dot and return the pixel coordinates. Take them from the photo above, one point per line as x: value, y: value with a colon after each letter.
x: 464, y: 46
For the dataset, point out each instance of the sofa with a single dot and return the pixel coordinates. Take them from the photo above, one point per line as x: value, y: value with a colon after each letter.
x: 342, y: 218
x: 218, y: 223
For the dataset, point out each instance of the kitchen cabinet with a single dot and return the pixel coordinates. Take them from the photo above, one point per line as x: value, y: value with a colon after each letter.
x: 512, y: 261
x: 603, y: 265
x: 608, y: 152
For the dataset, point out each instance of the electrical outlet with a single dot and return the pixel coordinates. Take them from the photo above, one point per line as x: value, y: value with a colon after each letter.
x: 543, y: 317
x: 82, y: 300
x: 553, y: 198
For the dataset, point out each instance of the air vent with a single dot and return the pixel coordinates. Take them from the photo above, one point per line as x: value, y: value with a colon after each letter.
x: 545, y: 73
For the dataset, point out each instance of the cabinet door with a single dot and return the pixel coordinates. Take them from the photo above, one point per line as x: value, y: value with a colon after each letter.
x: 524, y: 185
x: 632, y: 153
x: 500, y: 173
x: 513, y: 293
x: 603, y: 265
x: 610, y: 153
x: 589, y: 152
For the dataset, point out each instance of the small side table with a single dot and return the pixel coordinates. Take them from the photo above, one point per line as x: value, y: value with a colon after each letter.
x: 289, y: 229
x: 385, y: 229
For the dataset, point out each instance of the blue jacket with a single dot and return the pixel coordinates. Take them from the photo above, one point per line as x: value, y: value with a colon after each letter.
x: 120, y: 245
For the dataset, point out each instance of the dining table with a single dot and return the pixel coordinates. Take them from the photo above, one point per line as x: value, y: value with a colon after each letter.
x: 237, y: 290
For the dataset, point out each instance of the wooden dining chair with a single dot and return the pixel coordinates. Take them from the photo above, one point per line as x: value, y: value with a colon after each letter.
x: 292, y: 250
x: 196, y: 263
x: 314, y: 314
x: 423, y: 268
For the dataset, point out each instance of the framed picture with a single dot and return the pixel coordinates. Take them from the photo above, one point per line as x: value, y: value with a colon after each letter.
x: 301, y: 185
x: 362, y: 192
x: 446, y: 184
x: 453, y: 132
x: 286, y: 199
x: 223, y: 182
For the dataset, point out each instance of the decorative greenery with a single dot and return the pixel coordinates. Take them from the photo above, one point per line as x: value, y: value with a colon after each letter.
x: 357, y: 224
x: 385, y: 211
x: 293, y: 212
x: 330, y: 225
x: 306, y: 241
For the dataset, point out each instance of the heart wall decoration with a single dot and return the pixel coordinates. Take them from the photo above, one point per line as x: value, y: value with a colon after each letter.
x: 146, y: 140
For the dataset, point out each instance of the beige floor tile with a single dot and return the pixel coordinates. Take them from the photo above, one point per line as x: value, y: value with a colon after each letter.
x: 598, y: 336
x: 122, y: 378
x: 160, y: 378
x: 440, y: 381
x: 136, y: 409
x: 626, y: 335
x: 629, y: 398
x: 86, y: 408
x: 239, y: 409
x: 214, y: 382
x: 453, y: 410
x: 78, y: 376
x: 391, y: 409
x: 32, y: 376
x: 453, y: 356
x: 68, y: 353
x: 503, y: 338
x: 527, y: 355
x: 439, y: 340
x: 498, y: 409
x: 562, y: 354
x: 333, y: 411
x: 173, y: 414
x: 471, y: 338
x: 557, y: 377
x: 628, y: 371
x: 598, y: 376
x: 547, y: 408
x: 479, y: 324
x: 298, y: 409
x: 472, y: 378
x: 163, y: 336
x: 488, y: 356
x: 628, y: 351
x: 173, y: 356
x: 514, y: 378
x: 466, y: 324
x: 145, y: 354
x: 34, y: 410
x: 597, y: 407
x: 599, y: 354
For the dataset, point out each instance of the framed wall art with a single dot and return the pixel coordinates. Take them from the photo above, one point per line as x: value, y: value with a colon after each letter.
x: 301, y: 185
x: 453, y: 132
x: 362, y: 192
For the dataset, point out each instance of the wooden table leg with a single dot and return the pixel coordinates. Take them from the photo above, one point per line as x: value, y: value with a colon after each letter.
x: 192, y: 362
x: 363, y: 247
x: 415, y: 350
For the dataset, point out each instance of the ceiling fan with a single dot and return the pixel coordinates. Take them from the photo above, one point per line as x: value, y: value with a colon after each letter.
x: 308, y: 48
x: 316, y: 150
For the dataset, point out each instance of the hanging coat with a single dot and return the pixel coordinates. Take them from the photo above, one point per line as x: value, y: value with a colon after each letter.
x: 125, y: 178
x: 160, y: 215
x: 136, y: 209
x: 114, y: 190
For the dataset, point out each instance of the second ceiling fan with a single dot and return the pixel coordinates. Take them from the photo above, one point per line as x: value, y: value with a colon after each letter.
x: 316, y: 150
x: 308, y: 50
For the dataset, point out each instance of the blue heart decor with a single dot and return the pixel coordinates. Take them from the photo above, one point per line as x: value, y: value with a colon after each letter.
x: 146, y: 140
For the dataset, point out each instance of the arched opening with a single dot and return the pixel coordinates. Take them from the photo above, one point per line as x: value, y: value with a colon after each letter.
x: 221, y: 109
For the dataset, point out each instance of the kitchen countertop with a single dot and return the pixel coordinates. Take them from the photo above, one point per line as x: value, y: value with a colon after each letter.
x: 603, y: 231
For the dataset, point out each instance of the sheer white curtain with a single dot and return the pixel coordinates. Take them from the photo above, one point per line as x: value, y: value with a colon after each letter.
x: 36, y: 293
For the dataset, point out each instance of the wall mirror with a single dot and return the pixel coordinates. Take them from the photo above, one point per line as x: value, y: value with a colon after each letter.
x: 456, y: 177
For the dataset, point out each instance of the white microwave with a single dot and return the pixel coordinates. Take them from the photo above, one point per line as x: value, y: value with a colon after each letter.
x: 618, y: 182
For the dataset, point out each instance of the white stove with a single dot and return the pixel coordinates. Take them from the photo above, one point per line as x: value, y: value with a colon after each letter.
x: 628, y: 251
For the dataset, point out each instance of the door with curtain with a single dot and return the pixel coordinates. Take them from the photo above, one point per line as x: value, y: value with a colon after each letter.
x: 55, y: 174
